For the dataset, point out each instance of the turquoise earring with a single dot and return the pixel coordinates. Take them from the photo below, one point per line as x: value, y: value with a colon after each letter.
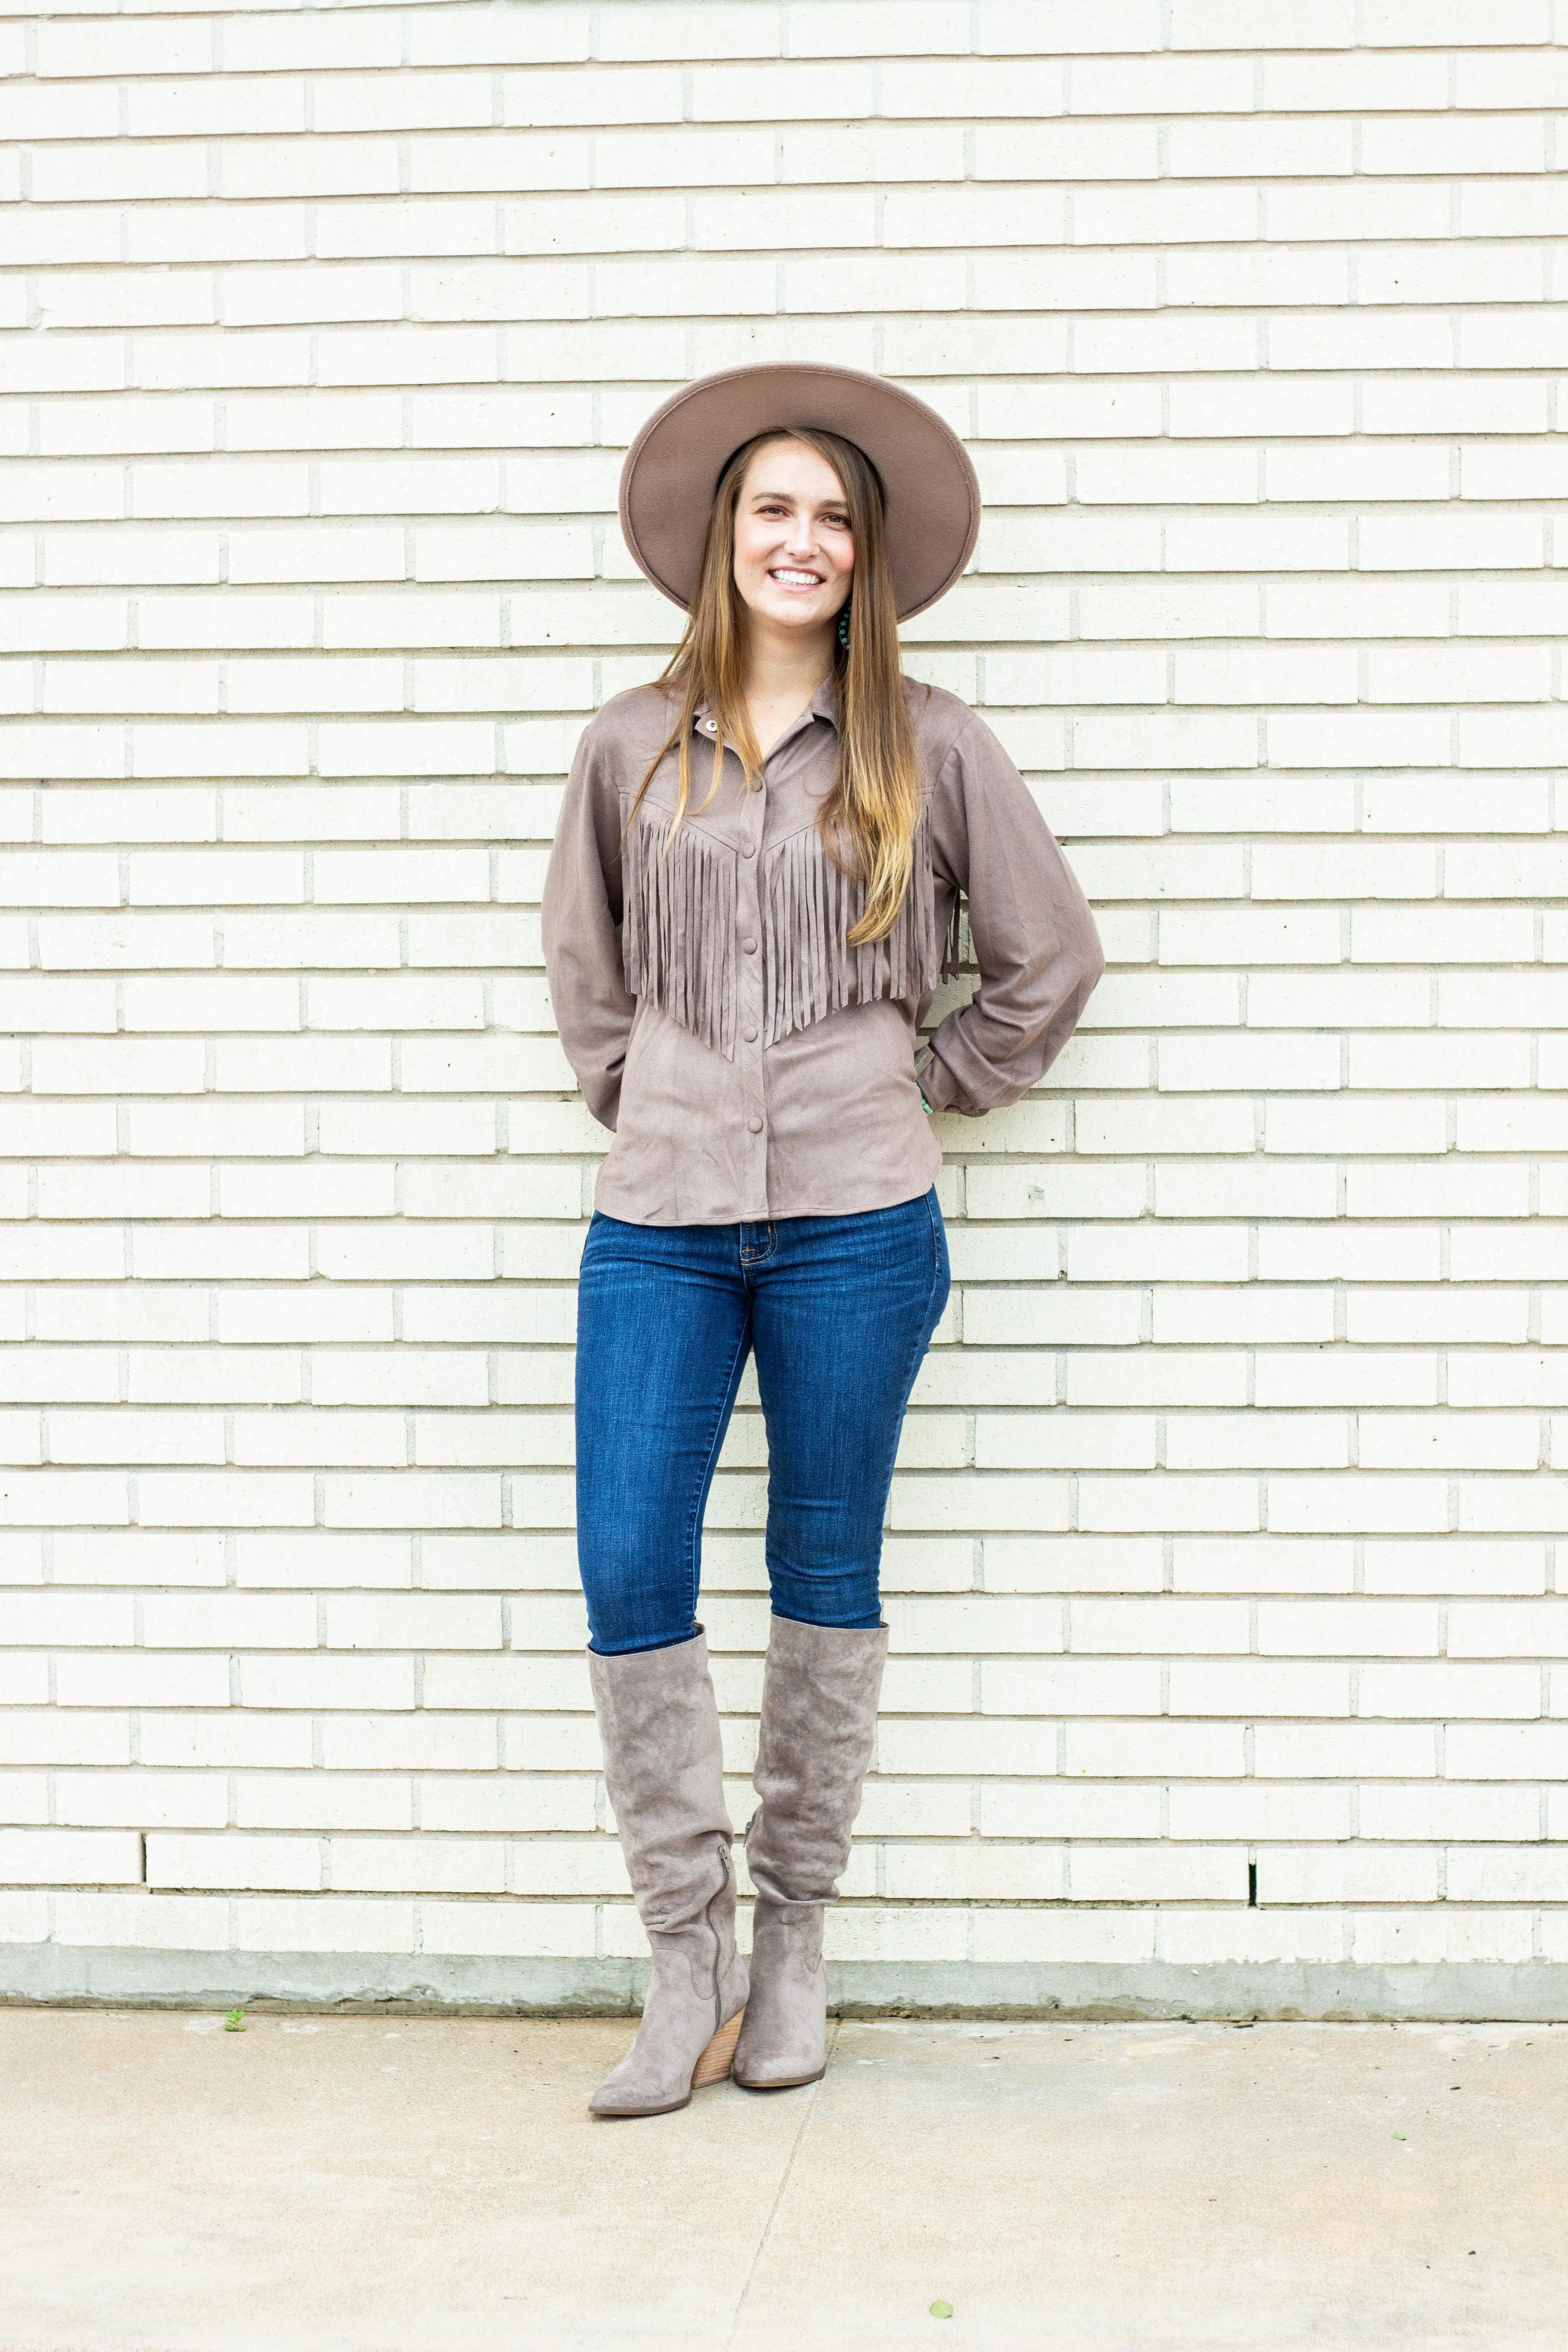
x: 844, y: 625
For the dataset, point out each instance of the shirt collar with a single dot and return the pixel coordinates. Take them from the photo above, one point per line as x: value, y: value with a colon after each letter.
x: 825, y: 703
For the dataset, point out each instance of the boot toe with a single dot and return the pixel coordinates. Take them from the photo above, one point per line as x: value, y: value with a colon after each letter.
x: 778, y: 2075
x: 637, y: 2087
x: 622, y: 2106
x: 781, y: 2052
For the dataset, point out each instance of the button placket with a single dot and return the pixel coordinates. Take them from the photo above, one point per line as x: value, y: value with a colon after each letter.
x: 749, y: 964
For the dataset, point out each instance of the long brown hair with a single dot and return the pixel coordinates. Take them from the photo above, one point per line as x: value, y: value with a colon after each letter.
x: 870, y: 819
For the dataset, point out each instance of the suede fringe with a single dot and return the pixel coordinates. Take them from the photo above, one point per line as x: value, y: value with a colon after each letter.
x: 677, y: 933
x: 810, y: 969
x: 678, y: 936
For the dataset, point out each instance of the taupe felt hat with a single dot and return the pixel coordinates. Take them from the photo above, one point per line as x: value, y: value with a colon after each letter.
x: 673, y: 469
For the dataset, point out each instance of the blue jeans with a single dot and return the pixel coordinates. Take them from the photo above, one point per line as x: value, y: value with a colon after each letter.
x: 839, y: 1312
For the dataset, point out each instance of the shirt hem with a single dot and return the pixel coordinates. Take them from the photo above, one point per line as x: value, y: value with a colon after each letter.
x: 846, y: 1201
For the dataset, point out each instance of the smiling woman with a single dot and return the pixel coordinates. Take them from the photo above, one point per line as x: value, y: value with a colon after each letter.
x: 739, y: 982
x: 795, y: 546
x: 793, y: 514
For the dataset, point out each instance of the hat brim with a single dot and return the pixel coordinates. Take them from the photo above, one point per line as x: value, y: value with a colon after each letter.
x: 673, y: 469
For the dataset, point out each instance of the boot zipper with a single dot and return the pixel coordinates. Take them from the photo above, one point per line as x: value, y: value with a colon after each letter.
x: 718, y: 1942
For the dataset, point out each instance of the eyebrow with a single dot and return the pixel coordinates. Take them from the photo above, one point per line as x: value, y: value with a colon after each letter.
x: 786, y: 498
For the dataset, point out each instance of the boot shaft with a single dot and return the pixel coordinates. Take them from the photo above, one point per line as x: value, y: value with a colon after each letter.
x: 664, y: 1771
x: 820, y: 1689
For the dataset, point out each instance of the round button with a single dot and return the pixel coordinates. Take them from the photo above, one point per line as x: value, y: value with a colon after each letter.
x: 748, y: 849
x: 755, y: 1126
x: 749, y: 946
x: 750, y: 1035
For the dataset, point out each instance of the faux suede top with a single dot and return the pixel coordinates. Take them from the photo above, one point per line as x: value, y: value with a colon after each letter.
x: 752, y: 1063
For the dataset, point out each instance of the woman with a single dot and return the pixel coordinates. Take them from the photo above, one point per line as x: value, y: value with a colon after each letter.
x: 753, y: 896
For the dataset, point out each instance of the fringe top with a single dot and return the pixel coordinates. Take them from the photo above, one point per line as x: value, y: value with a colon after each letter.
x: 696, y: 979
x: 680, y: 900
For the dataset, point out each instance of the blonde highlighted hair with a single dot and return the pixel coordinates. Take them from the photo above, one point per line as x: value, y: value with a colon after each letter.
x: 871, y: 817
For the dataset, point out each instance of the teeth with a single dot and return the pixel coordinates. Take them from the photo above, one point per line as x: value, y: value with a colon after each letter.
x: 805, y: 578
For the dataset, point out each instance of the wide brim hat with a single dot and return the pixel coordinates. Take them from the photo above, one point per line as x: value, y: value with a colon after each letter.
x: 673, y: 469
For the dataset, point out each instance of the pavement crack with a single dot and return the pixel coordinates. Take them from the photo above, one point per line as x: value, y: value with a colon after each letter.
x: 808, y: 2110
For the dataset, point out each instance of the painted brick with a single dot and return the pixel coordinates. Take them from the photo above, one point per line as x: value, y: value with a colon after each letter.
x: 1234, y: 1474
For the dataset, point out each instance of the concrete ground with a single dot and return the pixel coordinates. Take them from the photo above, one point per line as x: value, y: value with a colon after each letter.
x: 404, y: 2184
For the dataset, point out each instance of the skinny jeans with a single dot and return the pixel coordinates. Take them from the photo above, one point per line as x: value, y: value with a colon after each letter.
x: 839, y: 1312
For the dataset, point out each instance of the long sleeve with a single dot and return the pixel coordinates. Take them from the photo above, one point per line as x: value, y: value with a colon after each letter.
x: 1034, y: 939
x: 582, y: 927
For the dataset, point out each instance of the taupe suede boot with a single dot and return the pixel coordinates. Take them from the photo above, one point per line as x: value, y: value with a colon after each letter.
x: 820, y: 1689
x: 658, y: 1721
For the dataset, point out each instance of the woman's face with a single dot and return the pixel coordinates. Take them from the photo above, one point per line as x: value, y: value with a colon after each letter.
x: 794, y: 554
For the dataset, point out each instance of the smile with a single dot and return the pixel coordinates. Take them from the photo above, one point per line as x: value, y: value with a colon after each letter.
x: 789, y: 578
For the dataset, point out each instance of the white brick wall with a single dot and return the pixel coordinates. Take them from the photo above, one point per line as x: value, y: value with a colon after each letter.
x: 1225, y: 1534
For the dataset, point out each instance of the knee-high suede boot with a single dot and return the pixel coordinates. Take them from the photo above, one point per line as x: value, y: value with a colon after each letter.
x: 820, y: 1689
x: 658, y: 1721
